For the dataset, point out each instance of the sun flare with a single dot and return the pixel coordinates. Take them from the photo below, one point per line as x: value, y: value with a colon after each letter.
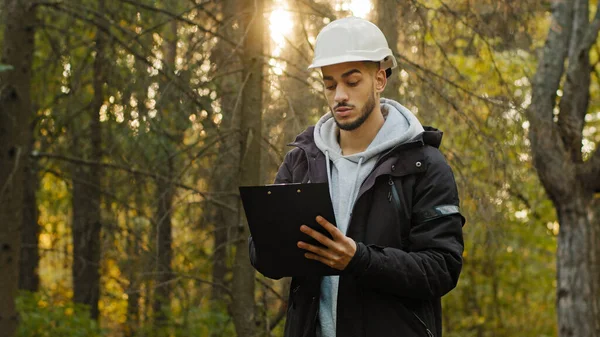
x: 361, y: 8
x: 280, y: 25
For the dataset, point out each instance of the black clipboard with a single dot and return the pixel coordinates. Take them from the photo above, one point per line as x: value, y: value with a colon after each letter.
x: 275, y: 214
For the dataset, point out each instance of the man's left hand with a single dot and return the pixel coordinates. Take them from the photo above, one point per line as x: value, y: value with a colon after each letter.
x: 337, y: 253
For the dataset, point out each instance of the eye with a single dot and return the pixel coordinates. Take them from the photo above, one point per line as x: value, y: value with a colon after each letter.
x: 353, y: 84
x: 330, y: 87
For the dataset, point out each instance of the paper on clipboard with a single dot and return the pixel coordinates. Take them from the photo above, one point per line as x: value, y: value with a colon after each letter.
x: 275, y: 214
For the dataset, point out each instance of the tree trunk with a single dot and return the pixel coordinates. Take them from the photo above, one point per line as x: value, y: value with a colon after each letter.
x: 133, y: 296
x: 164, y: 254
x: 86, y: 239
x: 243, y: 307
x: 387, y: 21
x: 575, y: 298
x: 594, y: 239
x: 133, y: 269
x: 569, y: 181
x: 15, y: 134
x: 30, y: 230
x: 226, y: 172
x: 87, y: 195
x: 165, y: 192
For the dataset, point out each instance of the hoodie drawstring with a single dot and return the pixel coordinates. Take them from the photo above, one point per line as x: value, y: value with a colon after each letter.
x: 354, y: 191
x: 328, y: 174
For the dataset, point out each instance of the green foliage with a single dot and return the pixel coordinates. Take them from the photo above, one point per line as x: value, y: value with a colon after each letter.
x: 41, y: 316
x: 201, y: 322
x: 196, y: 321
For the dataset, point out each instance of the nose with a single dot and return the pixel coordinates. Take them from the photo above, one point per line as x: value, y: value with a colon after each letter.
x: 340, y: 94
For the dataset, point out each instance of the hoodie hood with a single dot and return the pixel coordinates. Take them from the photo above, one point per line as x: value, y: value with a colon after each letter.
x: 400, y: 126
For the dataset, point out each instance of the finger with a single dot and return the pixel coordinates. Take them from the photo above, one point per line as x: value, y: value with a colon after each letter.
x: 324, y: 261
x: 333, y: 230
x: 316, y: 250
x: 316, y: 235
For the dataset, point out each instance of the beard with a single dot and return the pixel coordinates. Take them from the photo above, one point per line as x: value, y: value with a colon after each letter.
x: 365, y: 112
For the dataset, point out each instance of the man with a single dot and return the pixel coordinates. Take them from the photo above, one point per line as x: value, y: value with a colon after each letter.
x: 398, y: 242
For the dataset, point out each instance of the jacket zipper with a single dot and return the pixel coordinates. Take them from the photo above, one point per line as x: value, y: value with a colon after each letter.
x: 393, y: 194
x: 294, y: 291
x: 429, y: 333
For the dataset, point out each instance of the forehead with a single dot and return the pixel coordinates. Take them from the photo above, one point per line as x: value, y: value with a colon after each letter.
x: 336, y: 71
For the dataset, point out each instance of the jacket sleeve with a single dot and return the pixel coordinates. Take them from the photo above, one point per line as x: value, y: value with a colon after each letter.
x: 432, y: 263
x: 284, y: 175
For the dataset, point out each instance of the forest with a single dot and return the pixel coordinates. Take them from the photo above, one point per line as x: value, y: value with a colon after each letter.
x: 127, y: 126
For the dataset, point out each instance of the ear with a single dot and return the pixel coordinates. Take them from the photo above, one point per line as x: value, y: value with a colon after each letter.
x: 380, y: 81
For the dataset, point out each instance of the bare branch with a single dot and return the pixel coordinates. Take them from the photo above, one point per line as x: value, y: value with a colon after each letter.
x: 205, y: 195
x: 323, y: 11
x: 270, y: 288
x: 172, y: 78
x: 549, y: 155
x: 178, y: 17
x: 591, y: 171
x: 9, y: 179
x: 201, y: 280
x: 575, y: 99
x: 419, y: 67
x: 113, y: 196
x: 483, y: 38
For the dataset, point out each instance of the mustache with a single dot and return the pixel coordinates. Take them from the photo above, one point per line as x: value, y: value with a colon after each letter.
x: 343, y: 104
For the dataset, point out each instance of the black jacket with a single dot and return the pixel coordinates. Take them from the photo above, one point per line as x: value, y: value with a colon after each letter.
x: 409, y: 243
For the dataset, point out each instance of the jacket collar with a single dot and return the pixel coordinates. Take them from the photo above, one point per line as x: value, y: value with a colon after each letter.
x: 306, y: 141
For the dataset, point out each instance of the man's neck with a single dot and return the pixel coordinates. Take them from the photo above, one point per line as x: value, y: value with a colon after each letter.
x: 358, y: 140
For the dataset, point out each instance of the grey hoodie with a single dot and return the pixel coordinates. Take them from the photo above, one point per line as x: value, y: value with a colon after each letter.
x: 347, y: 175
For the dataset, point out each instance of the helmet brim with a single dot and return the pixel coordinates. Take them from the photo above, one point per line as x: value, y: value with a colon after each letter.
x: 323, y: 62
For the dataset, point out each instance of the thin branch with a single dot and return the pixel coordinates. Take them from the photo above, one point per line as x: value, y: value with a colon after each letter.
x: 485, y: 41
x: 592, y: 170
x: 171, y: 78
x: 477, y: 131
x: 201, y: 280
x: 173, y: 15
x: 134, y: 171
x: 275, y: 149
x: 12, y: 173
x: 113, y: 196
x: 179, y: 17
x: 313, y: 6
x: 417, y: 66
x: 440, y: 47
x: 270, y: 288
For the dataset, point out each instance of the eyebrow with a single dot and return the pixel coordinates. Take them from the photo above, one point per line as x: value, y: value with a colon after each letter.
x: 344, y: 75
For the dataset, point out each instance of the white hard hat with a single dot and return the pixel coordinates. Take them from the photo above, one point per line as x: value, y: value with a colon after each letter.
x: 352, y: 39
